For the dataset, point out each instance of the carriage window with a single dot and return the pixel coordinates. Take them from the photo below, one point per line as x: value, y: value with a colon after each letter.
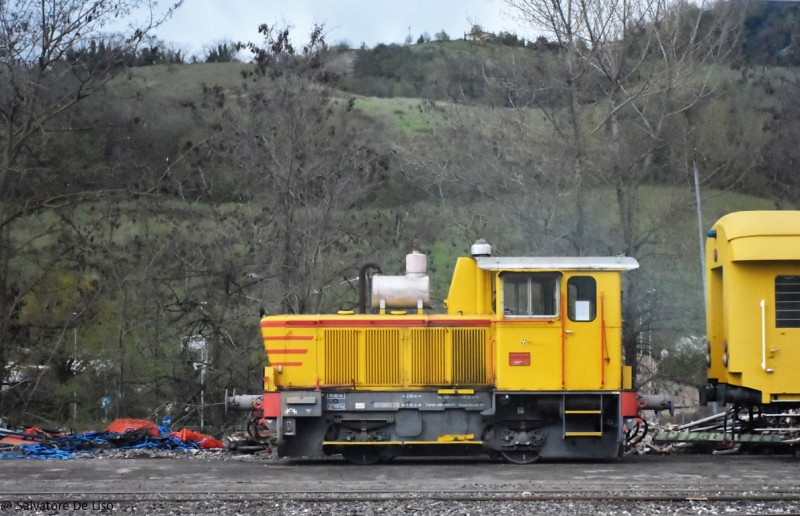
x: 530, y: 295
x: 787, y: 302
x: 582, y: 298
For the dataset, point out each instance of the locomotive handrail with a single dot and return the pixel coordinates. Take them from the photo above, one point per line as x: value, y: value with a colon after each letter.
x: 764, y: 339
x: 563, y: 339
x: 603, y: 343
x: 491, y: 362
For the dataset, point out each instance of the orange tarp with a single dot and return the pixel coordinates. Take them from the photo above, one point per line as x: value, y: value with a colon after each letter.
x: 121, y: 426
x: 10, y: 439
x: 202, y: 440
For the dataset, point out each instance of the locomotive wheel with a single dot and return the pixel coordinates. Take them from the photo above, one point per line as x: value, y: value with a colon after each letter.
x: 363, y: 455
x: 521, y: 456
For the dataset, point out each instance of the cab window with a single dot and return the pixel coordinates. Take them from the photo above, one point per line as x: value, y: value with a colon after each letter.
x: 787, y: 302
x: 582, y: 298
x: 530, y: 294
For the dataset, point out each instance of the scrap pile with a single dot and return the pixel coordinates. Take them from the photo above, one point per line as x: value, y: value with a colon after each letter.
x: 731, y: 431
x: 639, y: 439
x: 36, y: 443
x: 735, y: 430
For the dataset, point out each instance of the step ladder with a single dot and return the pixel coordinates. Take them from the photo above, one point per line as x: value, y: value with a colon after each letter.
x: 580, y: 418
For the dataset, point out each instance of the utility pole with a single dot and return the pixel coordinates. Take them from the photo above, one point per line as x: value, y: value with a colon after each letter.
x: 204, y: 359
x: 700, y: 229
x: 198, y: 344
x: 74, y: 371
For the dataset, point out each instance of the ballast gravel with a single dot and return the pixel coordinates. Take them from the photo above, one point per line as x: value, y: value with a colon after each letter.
x: 171, y: 454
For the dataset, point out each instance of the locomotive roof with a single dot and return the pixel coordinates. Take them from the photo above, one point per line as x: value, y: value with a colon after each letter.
x: 606, y: 263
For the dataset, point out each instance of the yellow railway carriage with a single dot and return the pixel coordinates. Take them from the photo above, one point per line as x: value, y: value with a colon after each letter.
x: 525, y: 363
x: 753, y: 310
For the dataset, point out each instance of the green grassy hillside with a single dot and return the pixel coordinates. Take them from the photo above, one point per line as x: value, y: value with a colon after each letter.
x: 208, y: 188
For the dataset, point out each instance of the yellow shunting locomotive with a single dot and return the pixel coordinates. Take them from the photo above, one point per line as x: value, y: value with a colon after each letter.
x: 753, y: 311
x: 525, y: 363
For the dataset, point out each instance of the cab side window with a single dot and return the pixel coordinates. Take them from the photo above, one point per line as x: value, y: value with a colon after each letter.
x: 787, y: 302
x: 582, y: 298
x: 530, y: 295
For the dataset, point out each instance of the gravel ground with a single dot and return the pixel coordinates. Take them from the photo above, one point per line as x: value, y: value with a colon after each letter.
x: 172, y: 454
x: 223, y: 488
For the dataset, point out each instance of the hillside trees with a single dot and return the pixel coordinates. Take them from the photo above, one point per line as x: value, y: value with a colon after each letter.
x: 223, y: 52
x: 43, y: 82
x: 493, y: 173
x: 771, y: 34
x: 300, y: 149
x: 781, y: 153
x: 628, y: 69
x: 389, y: 71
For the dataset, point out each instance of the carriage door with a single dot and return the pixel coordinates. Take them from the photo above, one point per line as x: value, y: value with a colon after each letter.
x: 584, y: 347
x: 779, y: 351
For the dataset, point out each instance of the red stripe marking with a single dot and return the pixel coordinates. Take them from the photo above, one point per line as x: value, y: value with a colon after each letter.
x: 291, y: 337
x: 472, y: 323
x: 341, y: 323
x: 288, y: 351
x: 436, y: 323
x: 286, y: 364
x: 526, y: 321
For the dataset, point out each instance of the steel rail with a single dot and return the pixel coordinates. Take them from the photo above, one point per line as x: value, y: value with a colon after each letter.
x: 519, y: 496
x: 640, y: 488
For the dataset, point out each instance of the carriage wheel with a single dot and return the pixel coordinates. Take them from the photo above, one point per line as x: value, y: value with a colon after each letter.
x: 364, y: 455
x: 521, y: 456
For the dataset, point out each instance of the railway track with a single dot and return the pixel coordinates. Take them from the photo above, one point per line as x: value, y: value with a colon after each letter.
x: 637, y: 485
x: 122, y: 498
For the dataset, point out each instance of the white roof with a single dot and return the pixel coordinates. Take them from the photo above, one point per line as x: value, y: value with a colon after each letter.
x: 605, y: 263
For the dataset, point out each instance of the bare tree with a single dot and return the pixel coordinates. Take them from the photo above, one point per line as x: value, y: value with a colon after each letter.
x: 50, y: 64
x: 631, y: 74
x: 299, y: 153
x: 493, y: 173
